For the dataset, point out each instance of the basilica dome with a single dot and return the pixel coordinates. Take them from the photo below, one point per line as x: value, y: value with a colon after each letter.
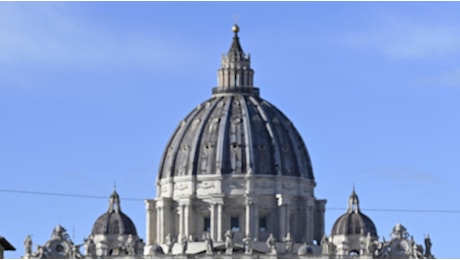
x: 354, y: 222
x: 235, y: 164
x: 236, y: 131
x: 114, y: 221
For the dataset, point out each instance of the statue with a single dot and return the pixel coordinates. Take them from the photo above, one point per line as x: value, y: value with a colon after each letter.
x: 247, y: 242
x: 41, y: 252
x: 169, y: 243
x: 90, y: 247
x: 28, y: 245
x: 76, y: 252
x: 271, y: 244
x: 228, y: 242
x: 325, y: 246
x: 184, y: 243
x: 59, y: 233
x: 417, y: 251
x: 368, y: 246
x: 130, y: 245
x: 209, y: 244
x: 288, y: 243
x: 428, y: 247
x: 303, y: 249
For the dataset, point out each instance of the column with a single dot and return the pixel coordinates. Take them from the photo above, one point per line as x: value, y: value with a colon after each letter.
x: 181, y: 221
x: 256, y: 222
x: 249, y: 217
x: 310, y: 221
x: 283, y: 222
x: 159, y: 223
x: 213, y: 220
x: 151, y: 222
x: 187, y: 230
x: 219, y: 222
x: 282, y: 208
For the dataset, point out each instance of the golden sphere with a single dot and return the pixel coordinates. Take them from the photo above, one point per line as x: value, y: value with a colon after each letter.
x: 235, y: 28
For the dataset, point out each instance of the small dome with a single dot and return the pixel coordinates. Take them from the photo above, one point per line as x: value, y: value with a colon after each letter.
x: 353, y: 222
x: 114, y: 222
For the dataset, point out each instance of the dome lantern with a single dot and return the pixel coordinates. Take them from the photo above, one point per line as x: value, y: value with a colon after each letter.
x: 114, y: 204
x: 235, y: 74
x: 353, y: 202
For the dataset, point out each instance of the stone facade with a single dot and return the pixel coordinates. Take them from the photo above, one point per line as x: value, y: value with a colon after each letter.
x: 235, y: 181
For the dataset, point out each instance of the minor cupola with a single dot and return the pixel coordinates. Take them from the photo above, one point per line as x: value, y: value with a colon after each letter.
x: 353, y: 222
x: 114, y: 221
x: 235, y: 74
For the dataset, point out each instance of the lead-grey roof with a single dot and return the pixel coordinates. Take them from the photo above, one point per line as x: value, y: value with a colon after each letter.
x: 353, y: 222
x: 236, y: 131
x: 114, y: 221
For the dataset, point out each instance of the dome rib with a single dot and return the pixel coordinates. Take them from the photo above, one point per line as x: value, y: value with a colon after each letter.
x: 175, y: 144
x: 248, y: 136
x: 171, y: 149
x: 196, y: 142
x: 279, y: 137
x: 221, y: 141
x: 270, y: 130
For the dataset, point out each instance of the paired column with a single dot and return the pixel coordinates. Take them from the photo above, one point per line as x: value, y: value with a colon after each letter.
x: 216, y: 215
x: 250, y: 217
x: 151, y: 222
x: 184, y: 218
x: 181, y: 221
x: 160, y: 221
x: 309, y: 220
x: 283, y: 211
x: 219, y: 222
x: 212, y: 210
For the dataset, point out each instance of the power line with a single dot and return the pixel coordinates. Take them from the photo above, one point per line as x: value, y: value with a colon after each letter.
x: 407, y: 210
x: 64, y: 194
x: 138, y: 199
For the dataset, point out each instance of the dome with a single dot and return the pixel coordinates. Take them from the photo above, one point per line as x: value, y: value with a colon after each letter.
x: 353, y: 222
x: 114, y: 221
x: 236, y: 131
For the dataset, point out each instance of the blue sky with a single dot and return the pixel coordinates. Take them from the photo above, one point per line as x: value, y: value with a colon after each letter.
x: 90, y: 92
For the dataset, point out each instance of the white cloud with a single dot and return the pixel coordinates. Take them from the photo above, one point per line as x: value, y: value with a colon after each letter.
x: 51, y: 33
x: 405, y: 39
